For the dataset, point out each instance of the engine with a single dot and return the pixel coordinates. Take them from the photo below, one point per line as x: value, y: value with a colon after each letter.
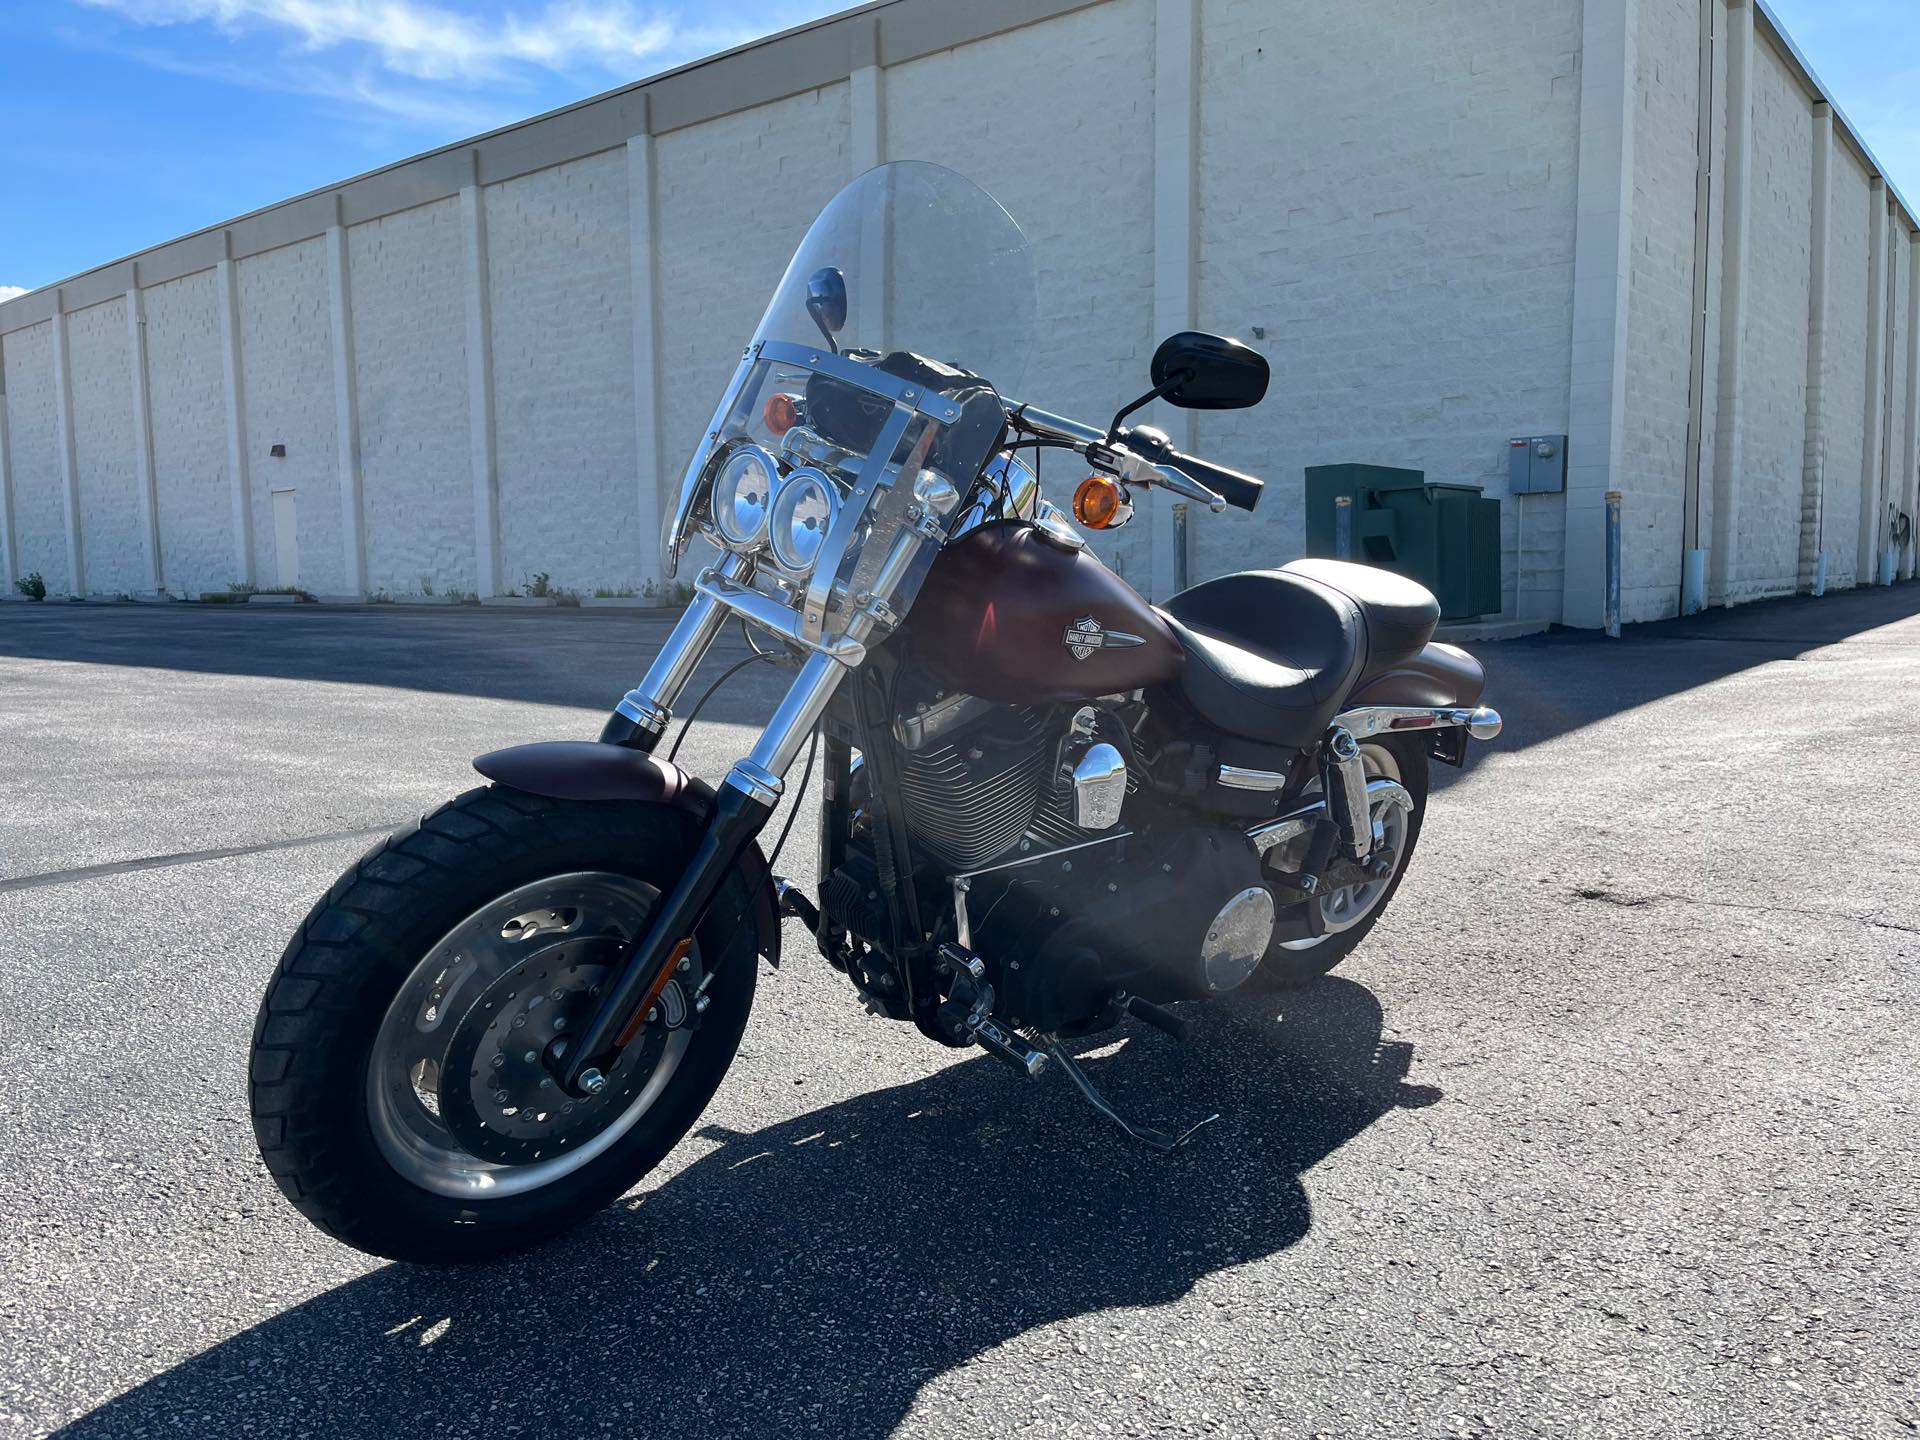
x: 1177, y: 910
x: 1176, y: 913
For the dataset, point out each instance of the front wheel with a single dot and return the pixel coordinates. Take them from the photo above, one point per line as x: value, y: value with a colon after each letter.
x: 399, y: 1092
x: 1348, y: 913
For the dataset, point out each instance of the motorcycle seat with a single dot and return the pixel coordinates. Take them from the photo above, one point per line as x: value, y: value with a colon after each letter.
x: 1273, y: 654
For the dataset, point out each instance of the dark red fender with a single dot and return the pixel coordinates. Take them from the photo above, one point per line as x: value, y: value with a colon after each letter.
x: 993, y: 619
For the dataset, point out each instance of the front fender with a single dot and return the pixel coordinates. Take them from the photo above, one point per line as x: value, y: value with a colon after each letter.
x: 590, y: 770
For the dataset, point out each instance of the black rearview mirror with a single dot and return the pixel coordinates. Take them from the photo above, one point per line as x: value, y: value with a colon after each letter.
x: 1221, y: 374
x: 827, y: 300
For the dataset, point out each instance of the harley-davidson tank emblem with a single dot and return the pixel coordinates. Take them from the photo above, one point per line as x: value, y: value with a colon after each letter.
x: 1085, y: 635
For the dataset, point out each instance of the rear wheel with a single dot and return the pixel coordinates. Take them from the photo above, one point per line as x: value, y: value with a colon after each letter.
x: 399, y: 1092
x: 1348, y: 913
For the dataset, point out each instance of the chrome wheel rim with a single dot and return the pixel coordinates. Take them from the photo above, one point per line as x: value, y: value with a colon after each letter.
x: 405, y: 1070
x: 1342, y: 909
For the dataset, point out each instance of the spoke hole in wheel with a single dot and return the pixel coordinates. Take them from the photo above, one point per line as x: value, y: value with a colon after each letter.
x: 426, y: 1086
x: 560, y: 920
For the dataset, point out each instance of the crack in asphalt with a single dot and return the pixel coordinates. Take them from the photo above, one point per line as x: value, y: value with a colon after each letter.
x: 183, y: 857
x: 1633, y: 902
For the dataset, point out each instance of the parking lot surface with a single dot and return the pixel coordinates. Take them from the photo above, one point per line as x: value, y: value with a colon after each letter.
x: 1609, y: 1128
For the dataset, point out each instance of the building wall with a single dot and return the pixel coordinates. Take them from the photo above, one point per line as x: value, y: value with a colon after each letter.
x: 723, y: 248
x: 563, y: 373
x: 111, y: 527
x: 1406, y: 243
x: 286, y: 351
x: 410, y: 382
x: 33, y: 455
x: 1848, y: 328
x: 1773, y: 417
x: 1383, y: 201
x: 188, y: 399
x: 997, y: 111
x: 1652, y: 473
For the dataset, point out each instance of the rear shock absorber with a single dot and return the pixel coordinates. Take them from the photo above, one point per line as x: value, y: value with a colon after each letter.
x: 1344, y: 782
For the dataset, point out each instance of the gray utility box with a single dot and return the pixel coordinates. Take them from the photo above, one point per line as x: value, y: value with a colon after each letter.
x: 1536, y: 464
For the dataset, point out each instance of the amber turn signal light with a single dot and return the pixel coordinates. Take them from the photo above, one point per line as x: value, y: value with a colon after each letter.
x: 782, y: 412
x: 1100, y: 504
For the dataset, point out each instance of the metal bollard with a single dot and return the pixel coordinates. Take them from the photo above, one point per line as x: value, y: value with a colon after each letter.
x: 1343, y: 527
x: 1613, y: 563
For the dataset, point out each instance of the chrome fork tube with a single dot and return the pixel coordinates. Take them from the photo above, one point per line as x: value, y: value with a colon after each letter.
x: 761, y: 773
x: 640, y: 719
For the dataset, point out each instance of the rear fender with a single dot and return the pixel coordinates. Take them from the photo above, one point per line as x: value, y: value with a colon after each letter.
x: 590, y: 770
x: 1438, y: 675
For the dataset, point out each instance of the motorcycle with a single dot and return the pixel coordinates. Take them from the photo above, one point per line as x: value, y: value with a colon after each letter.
x: 1046, y: 805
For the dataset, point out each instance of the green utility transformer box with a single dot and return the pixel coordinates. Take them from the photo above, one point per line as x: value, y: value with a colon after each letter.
x: 1445, y: 536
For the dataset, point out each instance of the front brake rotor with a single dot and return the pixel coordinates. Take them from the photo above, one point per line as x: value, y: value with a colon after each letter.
x: 497, y: 1095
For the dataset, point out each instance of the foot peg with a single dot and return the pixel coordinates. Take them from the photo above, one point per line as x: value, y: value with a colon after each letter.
x: 1158, y: 1016
x: 1145, y: 1134
x: 1008, y: 1047
x: 795, y: 903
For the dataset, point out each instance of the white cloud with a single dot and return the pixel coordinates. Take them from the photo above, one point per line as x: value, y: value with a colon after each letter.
x: 7, y: 292
x: 429, y: 42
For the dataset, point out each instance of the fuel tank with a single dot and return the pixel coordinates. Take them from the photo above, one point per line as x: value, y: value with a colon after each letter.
x: 1009, y: 614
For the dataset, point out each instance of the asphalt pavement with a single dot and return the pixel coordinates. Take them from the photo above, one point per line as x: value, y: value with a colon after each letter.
x: 1609, y: 1128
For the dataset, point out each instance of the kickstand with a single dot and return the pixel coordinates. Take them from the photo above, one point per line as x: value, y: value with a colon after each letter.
x: 1145, y: 1134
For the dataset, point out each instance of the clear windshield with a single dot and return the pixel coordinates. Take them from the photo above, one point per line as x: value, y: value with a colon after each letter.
x: 931, y: 265
x: 862, y: 412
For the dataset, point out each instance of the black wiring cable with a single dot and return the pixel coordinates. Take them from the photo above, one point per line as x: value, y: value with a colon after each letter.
x: 694, y: 715
x: 793, y: 811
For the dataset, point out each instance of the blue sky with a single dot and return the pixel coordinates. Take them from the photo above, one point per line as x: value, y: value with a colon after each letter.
x: 128, y: 122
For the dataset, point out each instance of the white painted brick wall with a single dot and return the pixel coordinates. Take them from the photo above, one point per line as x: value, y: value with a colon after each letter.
x: 1388, y: 190
x: 189, y: 435
x: 563, y: 373
x: 1651, y: 473
x: 722, y: 247
x: 1773, y: 416
x: 39, y: 513
x: 409, y: 338
x: 1894, y: 403
x: 111, y: 538
x: 1057, y: 122
x: 286, y: 339
x: 1846, y: 397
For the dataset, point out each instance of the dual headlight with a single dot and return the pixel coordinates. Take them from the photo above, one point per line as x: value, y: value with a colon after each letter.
x: 753, y: 503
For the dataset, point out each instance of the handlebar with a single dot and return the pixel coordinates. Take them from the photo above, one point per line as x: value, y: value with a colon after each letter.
x: 1238, y: 489
x: 1145, y: 456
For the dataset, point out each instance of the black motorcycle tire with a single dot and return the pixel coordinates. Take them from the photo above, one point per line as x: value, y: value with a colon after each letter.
x: 330, y: 993
x: 1285, y: 969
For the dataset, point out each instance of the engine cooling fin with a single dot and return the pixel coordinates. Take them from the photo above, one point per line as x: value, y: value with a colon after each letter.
x: 969, y: 801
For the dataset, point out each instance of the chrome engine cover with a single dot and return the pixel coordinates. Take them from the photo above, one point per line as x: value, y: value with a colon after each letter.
x: 1237, y: 939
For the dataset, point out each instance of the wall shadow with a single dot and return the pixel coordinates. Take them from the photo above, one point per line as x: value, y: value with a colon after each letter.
x: 1544, y: 685
x: 1549, y: 685
x: 813, y: 1276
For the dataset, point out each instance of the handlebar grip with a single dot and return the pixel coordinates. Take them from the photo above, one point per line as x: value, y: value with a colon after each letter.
x: 1238, y: 490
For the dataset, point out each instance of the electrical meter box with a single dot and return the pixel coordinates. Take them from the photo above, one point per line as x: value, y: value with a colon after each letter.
x: 1446, y: 536
x: 1536, y: 464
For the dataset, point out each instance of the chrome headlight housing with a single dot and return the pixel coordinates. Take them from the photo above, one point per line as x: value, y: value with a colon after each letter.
x: 804, y: 508
x: 743, y: 485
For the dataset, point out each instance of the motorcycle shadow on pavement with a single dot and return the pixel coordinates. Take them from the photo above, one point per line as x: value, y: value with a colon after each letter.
x: 812, y: 1276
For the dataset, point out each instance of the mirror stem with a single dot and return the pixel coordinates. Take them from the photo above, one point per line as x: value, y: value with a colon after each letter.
x: 1165, y: 387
